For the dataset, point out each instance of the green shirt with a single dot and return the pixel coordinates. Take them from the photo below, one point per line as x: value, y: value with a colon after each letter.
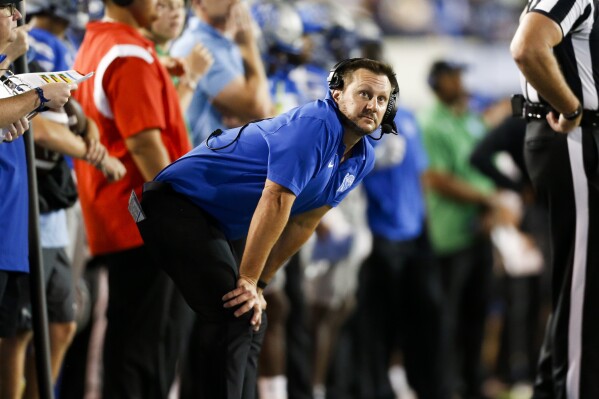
x: 449, y: 140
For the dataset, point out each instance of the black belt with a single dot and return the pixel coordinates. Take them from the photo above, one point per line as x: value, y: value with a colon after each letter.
x: 157, y: 186
x: 538, y: 111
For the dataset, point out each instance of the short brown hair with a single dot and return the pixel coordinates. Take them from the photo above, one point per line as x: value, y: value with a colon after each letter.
x: 342, y: 73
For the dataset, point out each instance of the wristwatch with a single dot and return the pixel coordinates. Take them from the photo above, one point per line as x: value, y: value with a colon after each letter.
x: 572, y: 116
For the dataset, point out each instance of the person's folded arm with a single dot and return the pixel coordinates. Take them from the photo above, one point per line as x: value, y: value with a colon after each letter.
x: 453, y: 187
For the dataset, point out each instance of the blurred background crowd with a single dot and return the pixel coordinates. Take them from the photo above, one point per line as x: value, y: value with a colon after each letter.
x: 461, y: 314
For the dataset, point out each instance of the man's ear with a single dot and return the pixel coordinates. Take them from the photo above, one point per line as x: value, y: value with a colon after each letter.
x: 336, y: 94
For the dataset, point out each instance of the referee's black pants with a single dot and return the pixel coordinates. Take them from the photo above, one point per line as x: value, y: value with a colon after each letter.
x: 201, y: 262
x: 563, y: 169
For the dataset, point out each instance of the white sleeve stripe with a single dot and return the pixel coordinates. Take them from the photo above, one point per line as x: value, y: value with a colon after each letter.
x: 118, y: 51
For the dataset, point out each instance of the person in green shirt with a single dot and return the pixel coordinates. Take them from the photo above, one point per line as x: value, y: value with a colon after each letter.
x: 185, y: 72
x: 457, y: 197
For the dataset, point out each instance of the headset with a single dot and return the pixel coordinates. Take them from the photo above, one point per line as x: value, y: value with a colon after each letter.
x: 335, y: 81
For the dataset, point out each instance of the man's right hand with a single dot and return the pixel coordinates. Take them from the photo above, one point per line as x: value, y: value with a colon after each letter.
x: 246, y: 294
x: 58, y: 93
x: 112, y: 168
x: 240, y: 24
x: 16, y: 129
x: 561, y: 124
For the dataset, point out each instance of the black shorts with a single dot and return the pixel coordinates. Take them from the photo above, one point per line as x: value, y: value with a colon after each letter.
x: 12, y: 287
x: 60, y: 293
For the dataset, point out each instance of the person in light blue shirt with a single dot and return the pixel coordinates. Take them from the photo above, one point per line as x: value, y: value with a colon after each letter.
x: 234, y: 91
x: 400, y: 274
x: 272, y: 181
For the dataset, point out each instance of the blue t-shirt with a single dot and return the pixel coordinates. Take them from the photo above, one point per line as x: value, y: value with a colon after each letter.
x: 49, y: 51
x: 300, y: 150
x: 396, y: 208
x: 52, y: 54
x: 14, y: 216
x: 201, y: 116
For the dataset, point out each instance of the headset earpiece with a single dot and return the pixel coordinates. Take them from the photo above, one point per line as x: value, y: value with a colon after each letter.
x: 335, y: 78
x: 388, y: 122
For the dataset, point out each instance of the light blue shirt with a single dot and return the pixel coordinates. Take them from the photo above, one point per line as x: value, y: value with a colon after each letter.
x: 202, y: 117
x: 52, y: 54
x: 300, y: 150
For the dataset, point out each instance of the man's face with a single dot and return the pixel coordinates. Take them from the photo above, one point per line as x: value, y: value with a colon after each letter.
x: 9, y: 15
x: 171, y: 16
x: 217, y: 11
x: 364, y: 100
x: 144, y: 12
x: 450, y: 88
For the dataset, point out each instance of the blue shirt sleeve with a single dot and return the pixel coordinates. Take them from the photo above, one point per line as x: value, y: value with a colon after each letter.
x: 227, y: 64
x: 296, y: 152
x: 222, y: 72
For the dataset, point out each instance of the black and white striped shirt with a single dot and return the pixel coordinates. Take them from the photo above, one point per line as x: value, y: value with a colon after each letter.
x: 578, y: 52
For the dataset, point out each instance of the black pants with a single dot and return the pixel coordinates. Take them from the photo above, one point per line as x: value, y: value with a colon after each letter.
x: 201, y: 262
x: 144, y: 330
x: 466, y: 277
x: 399, y: 305
x: 563, y: 169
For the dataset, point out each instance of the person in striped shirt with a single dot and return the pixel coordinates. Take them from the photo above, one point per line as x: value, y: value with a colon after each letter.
x: 555, y: 49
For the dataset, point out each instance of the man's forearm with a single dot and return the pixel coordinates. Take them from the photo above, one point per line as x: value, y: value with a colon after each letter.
x: 148, y: 152
x: 57, y: 137
x: 16, y: 107
x: 454, y: 188
x: 255, y: 77
x: 269, y: 220
x: 293, y: 237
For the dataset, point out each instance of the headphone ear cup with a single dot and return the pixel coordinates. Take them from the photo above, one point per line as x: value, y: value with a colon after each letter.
x: 391, y: 110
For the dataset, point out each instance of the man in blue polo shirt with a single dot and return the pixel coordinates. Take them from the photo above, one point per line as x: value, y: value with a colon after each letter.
x: 271, y: 180
x: 400, y: 275
x: 234, y: 90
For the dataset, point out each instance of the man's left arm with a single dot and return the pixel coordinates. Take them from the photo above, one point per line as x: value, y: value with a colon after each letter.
x: 532, y: 49
x: 296, y: 233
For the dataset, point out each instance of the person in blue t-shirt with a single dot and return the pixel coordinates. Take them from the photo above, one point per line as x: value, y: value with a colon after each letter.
x: 14, y: 249
x: 49, y: 51
x: 400, y: 273
x: 234, y: 91
x: 271, y: 181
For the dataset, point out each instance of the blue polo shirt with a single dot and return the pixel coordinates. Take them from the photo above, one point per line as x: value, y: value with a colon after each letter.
x: 396, y: 208
x: 14, y: 216
x: 300, y: 150
x: 202, y: 117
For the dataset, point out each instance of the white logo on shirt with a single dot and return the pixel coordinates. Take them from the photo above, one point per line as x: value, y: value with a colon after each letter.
x: 332, y: 163
x: 348, y: 180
